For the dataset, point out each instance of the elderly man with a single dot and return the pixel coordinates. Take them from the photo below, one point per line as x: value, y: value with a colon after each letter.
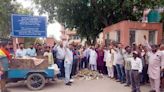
x: 155, y: 65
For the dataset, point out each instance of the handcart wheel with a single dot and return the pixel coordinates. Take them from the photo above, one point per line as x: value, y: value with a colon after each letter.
x: 35, y: 81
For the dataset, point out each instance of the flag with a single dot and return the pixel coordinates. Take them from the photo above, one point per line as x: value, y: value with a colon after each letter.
x: 4, y: 52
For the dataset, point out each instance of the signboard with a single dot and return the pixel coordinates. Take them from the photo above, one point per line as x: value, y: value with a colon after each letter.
x: 28, y: 26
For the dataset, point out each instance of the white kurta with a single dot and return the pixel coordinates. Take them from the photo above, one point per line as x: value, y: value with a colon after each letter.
x: 154, y: 61
x: 108, y: 59
x: 93, y: 57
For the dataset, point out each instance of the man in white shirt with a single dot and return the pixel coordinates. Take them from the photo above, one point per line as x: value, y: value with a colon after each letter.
x: 68, y: 64
x: 21, y: 52
x: 60, y: 55
x: 136, y: 66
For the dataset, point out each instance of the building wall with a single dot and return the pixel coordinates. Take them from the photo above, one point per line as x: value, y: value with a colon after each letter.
x: 71, y: 37
x: 125, y: 26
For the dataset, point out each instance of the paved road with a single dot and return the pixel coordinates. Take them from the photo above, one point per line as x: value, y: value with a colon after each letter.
x: 101, y: 85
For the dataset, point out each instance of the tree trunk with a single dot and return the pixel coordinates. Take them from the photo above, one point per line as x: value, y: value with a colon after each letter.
x: 88, y: 41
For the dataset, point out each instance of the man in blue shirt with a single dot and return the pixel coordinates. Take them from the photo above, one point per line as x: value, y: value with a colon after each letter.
x: 31, y: 51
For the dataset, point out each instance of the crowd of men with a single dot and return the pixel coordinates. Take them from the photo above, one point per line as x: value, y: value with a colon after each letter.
x: 130, y: 65
x: 133, y: 65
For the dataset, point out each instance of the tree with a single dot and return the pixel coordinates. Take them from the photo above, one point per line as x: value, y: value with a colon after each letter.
x: 8, y: 7
x: 89, y: 17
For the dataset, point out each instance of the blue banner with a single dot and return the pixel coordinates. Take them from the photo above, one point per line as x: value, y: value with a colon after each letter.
x: 28, y: 26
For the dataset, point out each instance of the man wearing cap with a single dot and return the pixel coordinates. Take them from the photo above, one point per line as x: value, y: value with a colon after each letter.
x: 136, y: 69
x: 155, y: 65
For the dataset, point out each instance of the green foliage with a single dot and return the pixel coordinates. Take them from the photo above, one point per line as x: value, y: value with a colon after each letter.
x: 89, y: 17
x: 8, y: 7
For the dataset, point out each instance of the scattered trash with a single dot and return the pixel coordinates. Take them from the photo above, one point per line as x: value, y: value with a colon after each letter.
x: 87, y: 74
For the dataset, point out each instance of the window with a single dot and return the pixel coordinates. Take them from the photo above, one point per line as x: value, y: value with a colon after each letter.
x: 152, y: 37
x: 118, y: 36
x: 132, y: 36
x: 107, y: 40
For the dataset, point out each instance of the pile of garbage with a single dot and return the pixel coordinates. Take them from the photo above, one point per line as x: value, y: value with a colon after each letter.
x: 87, y: 74
x: 29, y: 63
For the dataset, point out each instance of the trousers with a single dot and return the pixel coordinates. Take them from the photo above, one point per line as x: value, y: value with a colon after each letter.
x: 128, y: 76
x: 155, y: 84
x: 68, y: 69
x: 135, y: 79
x: 110, y: 72
x: 93, y: 67
x: 120, y: 72
x: 60, y: 64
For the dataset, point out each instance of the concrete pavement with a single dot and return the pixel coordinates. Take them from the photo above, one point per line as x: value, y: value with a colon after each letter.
x: 101, y: 85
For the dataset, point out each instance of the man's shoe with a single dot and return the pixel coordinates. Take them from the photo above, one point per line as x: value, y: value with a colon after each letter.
x: 121, y: 82
x: 118, y: 81
x: 127, y: 85
x: 71, y: 80
x: 152, y: 91
x: 68, y: 84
